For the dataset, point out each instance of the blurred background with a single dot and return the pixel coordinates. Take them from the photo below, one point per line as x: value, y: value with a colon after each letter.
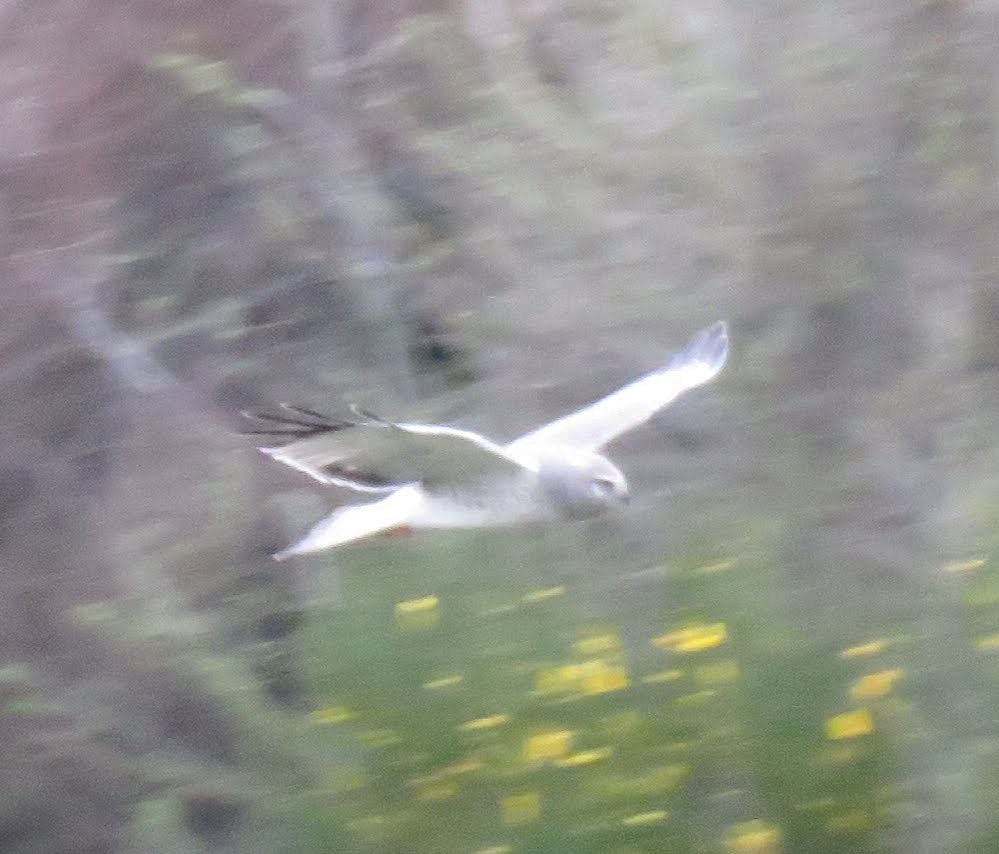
x: 488, y: 213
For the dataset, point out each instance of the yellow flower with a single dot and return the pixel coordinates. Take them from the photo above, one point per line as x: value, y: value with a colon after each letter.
x: 663, y: 676
x: 605, y: 679
x: 489, y: 722
x: 557, y: 680
x: 584, y: 757
x: 551, y: 744
x: 753, y: 837
x: 875, y: 685
x: 591, y: 677
x: 418, y: 614
x: 544, y: 594
x: 865, y: 649
x: 598, y: 644
x: 693, y: 638
x: 849, y: 725
x: 332, y: 715
x: 443, y: 682
x: 643, y: 818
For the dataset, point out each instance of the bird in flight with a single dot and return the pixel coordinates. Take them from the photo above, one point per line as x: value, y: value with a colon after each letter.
x: 433, y: 476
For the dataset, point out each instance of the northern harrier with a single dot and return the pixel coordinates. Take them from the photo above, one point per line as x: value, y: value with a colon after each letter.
x: 431, y: 476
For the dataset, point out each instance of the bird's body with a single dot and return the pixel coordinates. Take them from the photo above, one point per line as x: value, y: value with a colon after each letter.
x: 432, y: 476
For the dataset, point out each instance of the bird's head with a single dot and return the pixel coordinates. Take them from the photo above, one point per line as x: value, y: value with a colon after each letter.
x: 581, y: 484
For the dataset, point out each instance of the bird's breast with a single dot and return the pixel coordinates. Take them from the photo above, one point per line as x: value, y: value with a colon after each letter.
x: 500, y: 501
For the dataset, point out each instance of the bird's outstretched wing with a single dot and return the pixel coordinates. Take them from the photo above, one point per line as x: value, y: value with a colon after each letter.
x: 628, y: 407
x: 370, y: 454
x: 356, y: 521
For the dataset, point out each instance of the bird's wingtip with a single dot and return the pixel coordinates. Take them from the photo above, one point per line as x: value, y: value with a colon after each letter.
x: 289, y: 551
x: 709, y: 348
x: 717, y: 330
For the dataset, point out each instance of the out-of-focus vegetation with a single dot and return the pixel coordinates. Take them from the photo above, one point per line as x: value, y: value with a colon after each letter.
x: 490, y: 213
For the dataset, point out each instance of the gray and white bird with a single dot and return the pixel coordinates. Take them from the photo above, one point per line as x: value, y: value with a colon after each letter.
x: 433, y: 476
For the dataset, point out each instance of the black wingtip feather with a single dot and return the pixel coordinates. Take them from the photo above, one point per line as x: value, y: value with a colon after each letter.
x: 301, y: 411
x: 301, y: 423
